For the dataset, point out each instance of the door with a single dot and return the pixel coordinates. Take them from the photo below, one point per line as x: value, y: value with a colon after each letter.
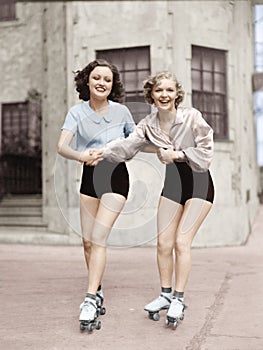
x: 20, y: 148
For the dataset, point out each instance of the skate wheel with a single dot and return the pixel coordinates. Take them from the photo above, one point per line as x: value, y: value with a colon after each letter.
x: 175, y: 325
x: 156, y: 316
x: 98, y: 325
x: 167, y: 322
x: 90, y: 327
x: 182, y: 317
x: 103, y: 311
x: 81, y: 327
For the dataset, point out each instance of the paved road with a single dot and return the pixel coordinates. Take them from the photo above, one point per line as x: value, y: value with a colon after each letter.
x: 42, y: 286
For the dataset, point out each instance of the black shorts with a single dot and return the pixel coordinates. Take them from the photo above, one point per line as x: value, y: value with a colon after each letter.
x: 182, y: 183
x: 105, y: 177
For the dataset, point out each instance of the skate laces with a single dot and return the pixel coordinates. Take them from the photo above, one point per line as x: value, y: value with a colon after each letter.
x: 177, y: 305
x: 161, y: 299
x: 89, y: 305
x: 165, y: 297
x: 177, y: 301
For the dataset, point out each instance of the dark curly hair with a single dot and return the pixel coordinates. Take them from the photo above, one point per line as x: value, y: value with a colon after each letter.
x: 82, y: 79
x: 152, y: 81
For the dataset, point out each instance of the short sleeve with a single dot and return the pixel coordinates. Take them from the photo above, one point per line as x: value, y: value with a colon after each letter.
x: 129, y: 126
x: 71, y: 122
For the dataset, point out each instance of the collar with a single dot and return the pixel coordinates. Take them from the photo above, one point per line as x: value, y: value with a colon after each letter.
x: 178, y: 120
x: 179, y: 117
x: 96, y: 117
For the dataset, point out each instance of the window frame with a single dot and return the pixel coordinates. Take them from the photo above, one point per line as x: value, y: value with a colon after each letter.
x: 212, y: 115
x: 20, y: 161
x: 11, y: 12
x: 137, y: 94
x: 24, y: 106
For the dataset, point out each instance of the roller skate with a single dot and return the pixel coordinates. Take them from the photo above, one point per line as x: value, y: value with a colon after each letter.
x: 175, y: 312
x: 101, y: 310
x: 100, y: 300
x: 161, y: 303
x: 88, y: 316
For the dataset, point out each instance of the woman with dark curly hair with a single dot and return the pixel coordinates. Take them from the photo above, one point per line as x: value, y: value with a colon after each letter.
x: 99, y: 119
x: 185, y: 144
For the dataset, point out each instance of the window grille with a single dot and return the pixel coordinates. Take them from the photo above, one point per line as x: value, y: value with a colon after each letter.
x: 7, y: 10
x: 20, y: 156
x: 209, y: 92
x: 134, y: 68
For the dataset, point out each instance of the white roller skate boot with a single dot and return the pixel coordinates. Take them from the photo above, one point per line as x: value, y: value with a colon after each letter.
x: 175, y: 312
x: 161, y: 303
x: 88, y: 315
x: 99, y: 300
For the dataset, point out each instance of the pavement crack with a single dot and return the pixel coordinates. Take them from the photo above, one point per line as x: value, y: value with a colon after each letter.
x: 199, y: 338
x: 234, y: 336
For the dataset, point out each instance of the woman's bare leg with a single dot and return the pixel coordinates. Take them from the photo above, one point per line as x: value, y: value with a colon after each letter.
x: 169, y: 215
x: 194, y: 212
x: 88, y: 211
x: 109, y: 209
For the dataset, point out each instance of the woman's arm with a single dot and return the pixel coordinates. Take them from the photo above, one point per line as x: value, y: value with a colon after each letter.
x: 124, y: 149
x: 200, y: 156
x: 197, y: 156
x: 88, y: 156
x: 151, y: 148
x: 169, y: 155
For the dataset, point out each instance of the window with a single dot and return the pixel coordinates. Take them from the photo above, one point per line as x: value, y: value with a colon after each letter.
x: 7, y: 10
x: 20, y: 156
x: 134, y: 67
x: 14, y: 128
x: 209, y: 93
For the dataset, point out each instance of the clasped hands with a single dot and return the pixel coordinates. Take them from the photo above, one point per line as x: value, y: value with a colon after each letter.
x: 91, y: 156
x: 167, y: 156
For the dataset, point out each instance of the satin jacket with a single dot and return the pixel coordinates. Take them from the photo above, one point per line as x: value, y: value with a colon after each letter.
x: 190, y: 135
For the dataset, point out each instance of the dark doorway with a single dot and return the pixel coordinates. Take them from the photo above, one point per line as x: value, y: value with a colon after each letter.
x: 20, y: 148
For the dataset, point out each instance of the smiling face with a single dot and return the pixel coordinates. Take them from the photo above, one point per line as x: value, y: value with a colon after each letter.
x: 164, y: 94
x: 100, y: 82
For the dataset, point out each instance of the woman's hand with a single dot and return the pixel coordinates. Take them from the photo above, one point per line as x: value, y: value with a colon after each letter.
x: 91, y: 157
x: 167, y: 156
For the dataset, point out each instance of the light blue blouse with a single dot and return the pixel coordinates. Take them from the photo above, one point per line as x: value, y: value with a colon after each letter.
x: 94, y: 130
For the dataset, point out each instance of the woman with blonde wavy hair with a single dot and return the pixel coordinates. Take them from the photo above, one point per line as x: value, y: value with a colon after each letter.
x: 184, y: 142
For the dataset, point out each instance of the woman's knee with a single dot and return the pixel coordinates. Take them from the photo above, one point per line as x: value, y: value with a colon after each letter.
x: 113, y: 202
x: 164, y: 246
x: 181, y: 245
x: 87, y: 245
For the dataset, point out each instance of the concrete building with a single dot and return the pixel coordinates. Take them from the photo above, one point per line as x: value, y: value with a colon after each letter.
x: 208, y: 44
x: 258, y: 87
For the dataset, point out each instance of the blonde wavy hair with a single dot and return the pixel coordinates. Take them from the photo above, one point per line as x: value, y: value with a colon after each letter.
x: 154, y: 80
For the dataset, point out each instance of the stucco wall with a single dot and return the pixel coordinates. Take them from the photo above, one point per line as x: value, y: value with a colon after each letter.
x: 52, y: 39
x: 54, y: 111
x: 21, y: 54
x: 170, y: 30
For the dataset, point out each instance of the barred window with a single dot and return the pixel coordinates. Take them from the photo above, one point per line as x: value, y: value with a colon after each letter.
x: 20, y: 151
x: 7, y: 10
x: 134, y: 67
x: 209, y: 92
x: 14, y: 128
